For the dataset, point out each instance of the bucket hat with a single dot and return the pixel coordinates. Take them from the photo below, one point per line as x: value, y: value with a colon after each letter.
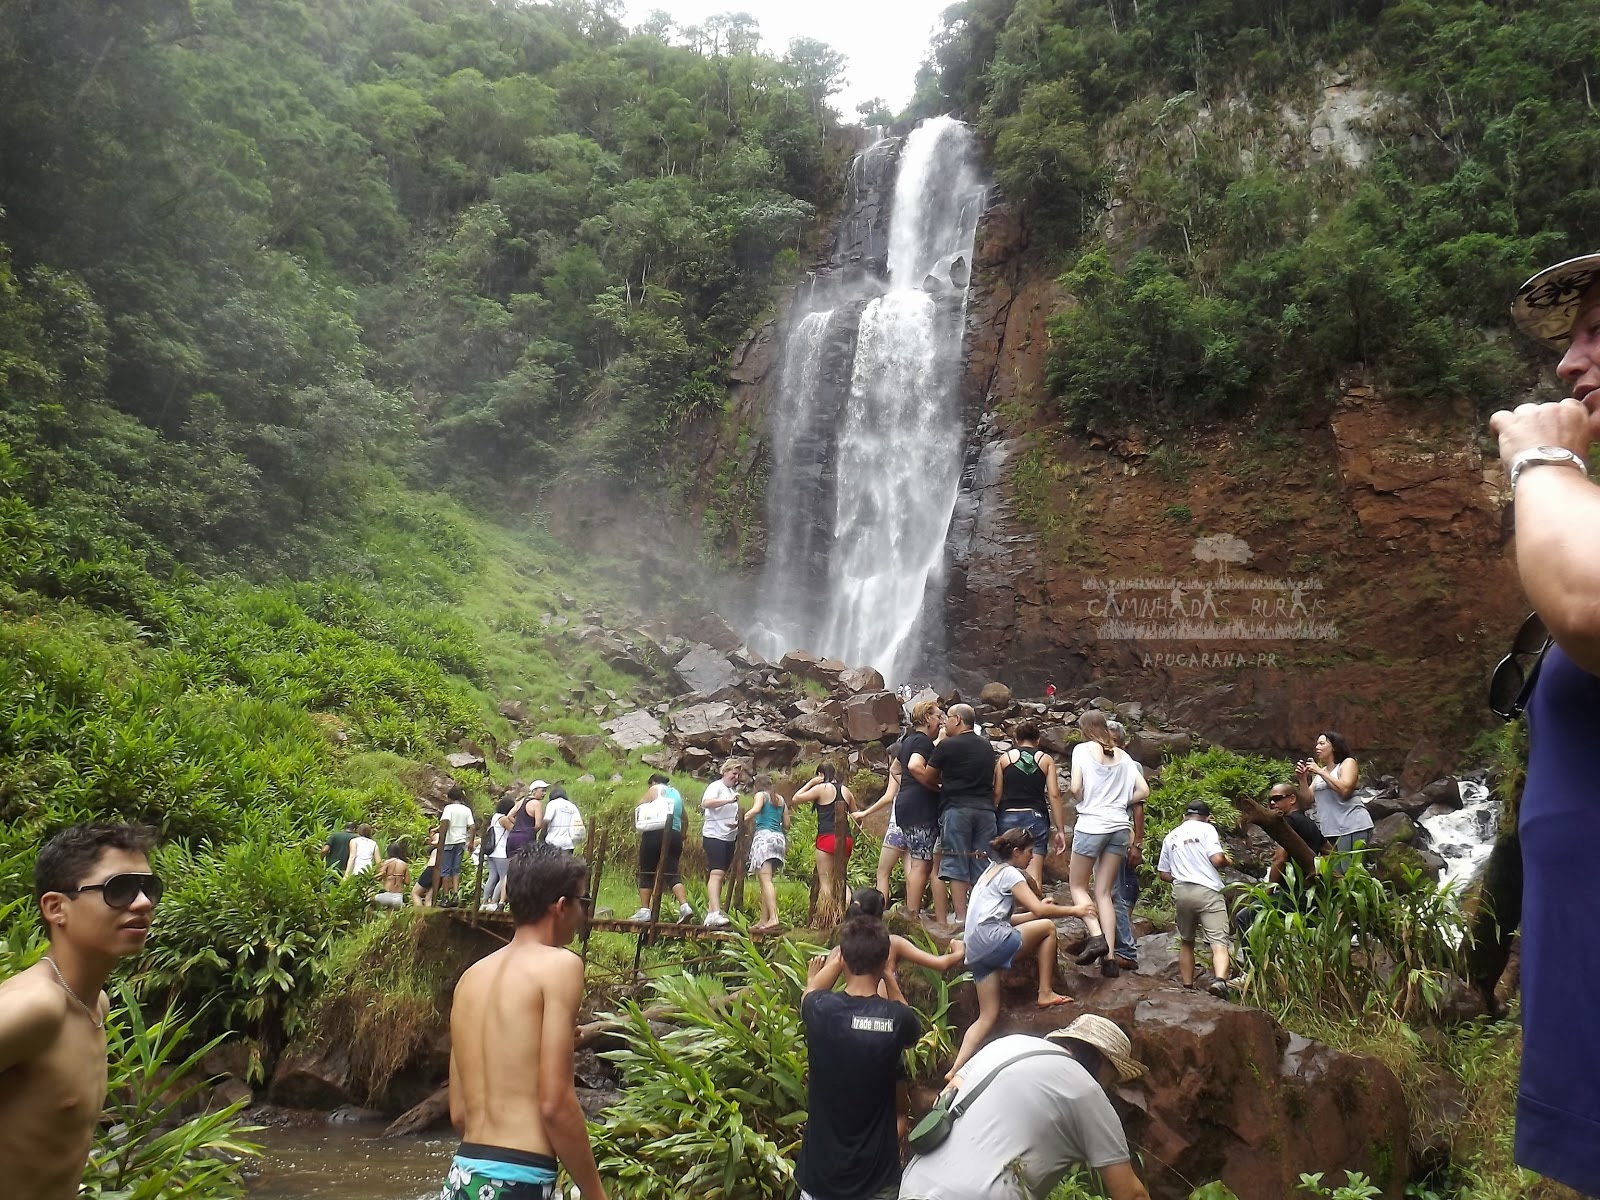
x: 1106, y: 1037
x: 1546, y: 304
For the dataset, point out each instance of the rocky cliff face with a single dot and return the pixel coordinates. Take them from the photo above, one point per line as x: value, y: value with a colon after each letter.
x: 1348, y: 573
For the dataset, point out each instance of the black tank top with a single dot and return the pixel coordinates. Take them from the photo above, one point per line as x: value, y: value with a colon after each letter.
x: 825, y: 811
x: 1022, y: 785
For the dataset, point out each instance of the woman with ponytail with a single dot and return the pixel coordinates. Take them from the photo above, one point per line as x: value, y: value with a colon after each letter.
x: 1105, y: 781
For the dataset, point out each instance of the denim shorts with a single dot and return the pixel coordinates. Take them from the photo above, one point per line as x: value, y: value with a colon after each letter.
x: 966, y: 833
x: 450, y: 860
x: 1096, y: 845
x: 1033, y: 822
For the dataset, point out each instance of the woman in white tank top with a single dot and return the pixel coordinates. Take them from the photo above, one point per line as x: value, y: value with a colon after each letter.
x: 1105, y: 781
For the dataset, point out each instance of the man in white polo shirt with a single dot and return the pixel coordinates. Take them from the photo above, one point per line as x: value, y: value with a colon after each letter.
x: 1190, y: 856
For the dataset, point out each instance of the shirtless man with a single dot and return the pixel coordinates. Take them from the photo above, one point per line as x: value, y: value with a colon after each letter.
x: 512, y: 1027
x: 95, y: 894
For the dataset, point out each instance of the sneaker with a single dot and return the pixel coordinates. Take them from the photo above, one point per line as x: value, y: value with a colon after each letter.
x: 685, y: 912
x: 642, y: 915
x: 1093, y: 950
x: 1127, y: 964
x: 1218, y: 988
x: 716, y: 920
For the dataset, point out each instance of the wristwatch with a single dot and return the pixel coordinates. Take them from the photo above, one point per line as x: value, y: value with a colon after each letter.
x: 1553, y: 456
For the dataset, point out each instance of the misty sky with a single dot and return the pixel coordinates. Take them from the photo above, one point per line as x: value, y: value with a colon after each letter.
x: 885, y: 40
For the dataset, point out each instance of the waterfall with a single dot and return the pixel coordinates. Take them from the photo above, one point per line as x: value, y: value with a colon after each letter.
x: 866, y: 451
x: 797, y: 547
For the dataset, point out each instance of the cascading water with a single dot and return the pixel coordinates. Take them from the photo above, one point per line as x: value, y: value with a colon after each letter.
x: 894, y: 458
x: 797, y: 549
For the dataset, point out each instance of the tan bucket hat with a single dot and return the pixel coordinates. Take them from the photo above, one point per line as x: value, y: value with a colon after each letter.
x: 1546, y: 304
x: 1105, y: 1036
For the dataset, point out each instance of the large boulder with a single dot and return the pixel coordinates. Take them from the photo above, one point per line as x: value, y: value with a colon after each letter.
x: 704, y: 725
x: 706, y: 670
x: 871, y: 716
x: 861, y: 679
x: 1231, y: 1095
x: 311, y: 1079
x: 824, y: 725
x: 1397, y: 827
x: 802, y: 664
x: 635, y: 730
x: 769, y: 749
x: 995, y: 695
x: 711, y: 629
x: 1149, y: 746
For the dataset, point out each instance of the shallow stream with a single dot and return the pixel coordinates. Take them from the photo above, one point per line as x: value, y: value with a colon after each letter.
x: 349, y: 1162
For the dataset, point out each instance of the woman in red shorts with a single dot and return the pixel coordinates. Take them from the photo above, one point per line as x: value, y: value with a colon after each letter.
x: 828, y: 794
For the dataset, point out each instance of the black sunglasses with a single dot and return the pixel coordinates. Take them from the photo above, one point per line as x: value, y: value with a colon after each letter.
x: 120, y: 891
x: 1511, y: 685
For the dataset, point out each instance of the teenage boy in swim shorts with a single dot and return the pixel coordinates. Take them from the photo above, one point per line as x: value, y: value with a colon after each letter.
x: 512, y: 1025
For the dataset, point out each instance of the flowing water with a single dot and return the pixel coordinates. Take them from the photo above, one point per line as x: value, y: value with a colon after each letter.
x: 1464, y: 838
x: 349, y: 1162
x: 867, y: 454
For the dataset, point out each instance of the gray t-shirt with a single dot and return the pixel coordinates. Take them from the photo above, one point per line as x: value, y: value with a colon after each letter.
x: 1022, y: 1135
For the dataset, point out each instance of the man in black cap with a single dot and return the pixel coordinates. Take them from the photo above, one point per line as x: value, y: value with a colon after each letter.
x: 1545, y: 449
x: 1190, y: 856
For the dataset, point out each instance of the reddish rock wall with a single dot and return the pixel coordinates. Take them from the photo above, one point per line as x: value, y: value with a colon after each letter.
x: 1387, y: 513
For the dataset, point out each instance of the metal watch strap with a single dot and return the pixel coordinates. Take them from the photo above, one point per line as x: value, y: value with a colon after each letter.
x: 1544, y: 456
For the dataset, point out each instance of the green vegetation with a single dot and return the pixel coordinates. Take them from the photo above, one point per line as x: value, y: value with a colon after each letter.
x: 715, y: 1106
x: 1241, y: 269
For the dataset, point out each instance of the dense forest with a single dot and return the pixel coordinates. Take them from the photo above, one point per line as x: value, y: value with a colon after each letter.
x: 1232, y: 272
x: 292, y: 294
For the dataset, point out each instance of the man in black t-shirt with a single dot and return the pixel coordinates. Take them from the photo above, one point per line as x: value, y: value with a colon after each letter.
x: 962, y: 768
x: 1285, y: 802
x: 855, y: 1040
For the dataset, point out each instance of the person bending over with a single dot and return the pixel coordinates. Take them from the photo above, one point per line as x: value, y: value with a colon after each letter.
x: 513, y: 1021
x: 96, y: 895
x: 1043, y: 1112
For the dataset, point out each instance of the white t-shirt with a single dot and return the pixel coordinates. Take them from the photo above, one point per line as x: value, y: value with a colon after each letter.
x: 991, y: 898
x: 1186, y: 853
x: 365, y: 851
x: 560, y: 817
x: 498, y: 834
x: 1041, y: 1115
x: 1107, y: 789
x: 722, y: 822
x: 460, y: 818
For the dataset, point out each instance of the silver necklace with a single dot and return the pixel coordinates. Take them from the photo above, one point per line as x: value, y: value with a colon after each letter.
x: 95, y: 1019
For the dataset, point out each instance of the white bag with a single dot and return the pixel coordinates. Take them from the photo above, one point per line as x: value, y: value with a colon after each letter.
x: 653, y: 815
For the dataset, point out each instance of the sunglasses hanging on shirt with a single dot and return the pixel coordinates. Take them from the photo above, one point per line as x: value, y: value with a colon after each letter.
x: 1511, y: 685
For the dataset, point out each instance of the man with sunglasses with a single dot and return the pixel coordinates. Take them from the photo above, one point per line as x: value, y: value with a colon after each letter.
x: 95, y: 894
x: 1545, y: 449
x: 513, y: 1022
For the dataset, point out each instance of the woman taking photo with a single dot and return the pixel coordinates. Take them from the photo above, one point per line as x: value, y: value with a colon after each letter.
x: 1005, y: 920
x: 1106, y: 781
x: 834, y: 802
x: 1329, y: 781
